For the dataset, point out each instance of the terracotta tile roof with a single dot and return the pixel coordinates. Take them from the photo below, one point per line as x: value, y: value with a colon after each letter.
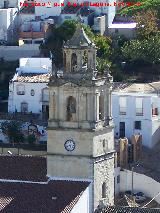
x: 54, y: 197
x: 70, y: 9
x: 118, y: 209
x: 85, y: 11
x: 32, y: 197
x: 33, y: 78
x: 25, y: 168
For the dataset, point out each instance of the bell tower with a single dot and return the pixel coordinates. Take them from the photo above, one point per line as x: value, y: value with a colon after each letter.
x: 80, y: 129
x: 76, y: 59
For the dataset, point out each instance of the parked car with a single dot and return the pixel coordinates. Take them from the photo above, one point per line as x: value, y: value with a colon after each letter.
x: 140, y: 197
x: 2, y: 42
x: 129, y: 193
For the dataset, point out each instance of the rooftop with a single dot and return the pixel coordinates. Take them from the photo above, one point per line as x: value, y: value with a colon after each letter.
x: 32, y: 78
x: 69, y: 9
x: 119, y: 209
x: 27, y: 168
x: 56, y: 196
x: 35, y: 62
x: 79, y: 39
x: 153, y: 87
x: 124, y: 25
x: 30, y: 9
x: 37, y: 195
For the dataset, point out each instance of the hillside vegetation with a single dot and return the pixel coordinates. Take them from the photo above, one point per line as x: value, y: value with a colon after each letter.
x: 145, y: 5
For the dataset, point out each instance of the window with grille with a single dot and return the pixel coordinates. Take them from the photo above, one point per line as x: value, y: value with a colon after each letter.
x: 122, y: 105
x: 20, y: 89
x: 139, y: 106
x: 137, y: 125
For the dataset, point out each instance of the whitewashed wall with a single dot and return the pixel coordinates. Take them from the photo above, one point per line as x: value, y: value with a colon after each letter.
x: 83, y: 203
x: 45, y: 12
x: 34, y: 102
x: 12, y: 53
x: 25, y: 17
x: 8, y: 23
x: 150, y: 126
x: 141, y: 183
x: 128, y: 33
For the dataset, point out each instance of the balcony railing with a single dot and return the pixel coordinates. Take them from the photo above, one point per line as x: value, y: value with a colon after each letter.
x: 122, y: 110
x: 32, y: 34
x: 139, y: 111
x: 20, y: 92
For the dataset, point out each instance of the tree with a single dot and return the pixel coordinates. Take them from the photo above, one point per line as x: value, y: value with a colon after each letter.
x: 102, y: 64
x: 144, y: 6
x: 13, y: 130
x: 103, y: 46
x: 61, y: 34
x: 146, y: 24
x: 66, y: 31
x: 147, y: 50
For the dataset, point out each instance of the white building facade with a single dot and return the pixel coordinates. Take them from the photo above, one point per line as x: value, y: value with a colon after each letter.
x: 49, y: 9
x: 8, y: 23
x: 10, y: 3
x: 28, y: 90
x: 135, y: 110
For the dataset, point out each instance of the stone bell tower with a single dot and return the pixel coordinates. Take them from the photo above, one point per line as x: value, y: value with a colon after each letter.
x: 80, y: 129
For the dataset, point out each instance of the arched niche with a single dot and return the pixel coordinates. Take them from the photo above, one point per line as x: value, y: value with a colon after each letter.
x: 71, y: 108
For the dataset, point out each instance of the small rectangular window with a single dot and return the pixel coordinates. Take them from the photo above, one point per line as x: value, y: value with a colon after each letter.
x: 137, y: 125
x: 155, y: 111
x: 20, y: 90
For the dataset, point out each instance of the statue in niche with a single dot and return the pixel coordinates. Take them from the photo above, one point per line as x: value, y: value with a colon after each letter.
x: 71, y: 108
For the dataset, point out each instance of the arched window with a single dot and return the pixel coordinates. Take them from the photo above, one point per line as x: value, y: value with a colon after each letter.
x: 74, y: 61
x: 85, y: 58
x: 104, y: 190
x: 101, y: 106
x: 32, y: 92
x: 71, y: 107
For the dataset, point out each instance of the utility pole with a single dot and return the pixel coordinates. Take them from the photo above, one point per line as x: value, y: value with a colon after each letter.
x: 132, y: 180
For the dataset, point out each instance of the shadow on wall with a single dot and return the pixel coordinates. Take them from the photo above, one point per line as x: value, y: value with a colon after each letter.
x: 156, y: 136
